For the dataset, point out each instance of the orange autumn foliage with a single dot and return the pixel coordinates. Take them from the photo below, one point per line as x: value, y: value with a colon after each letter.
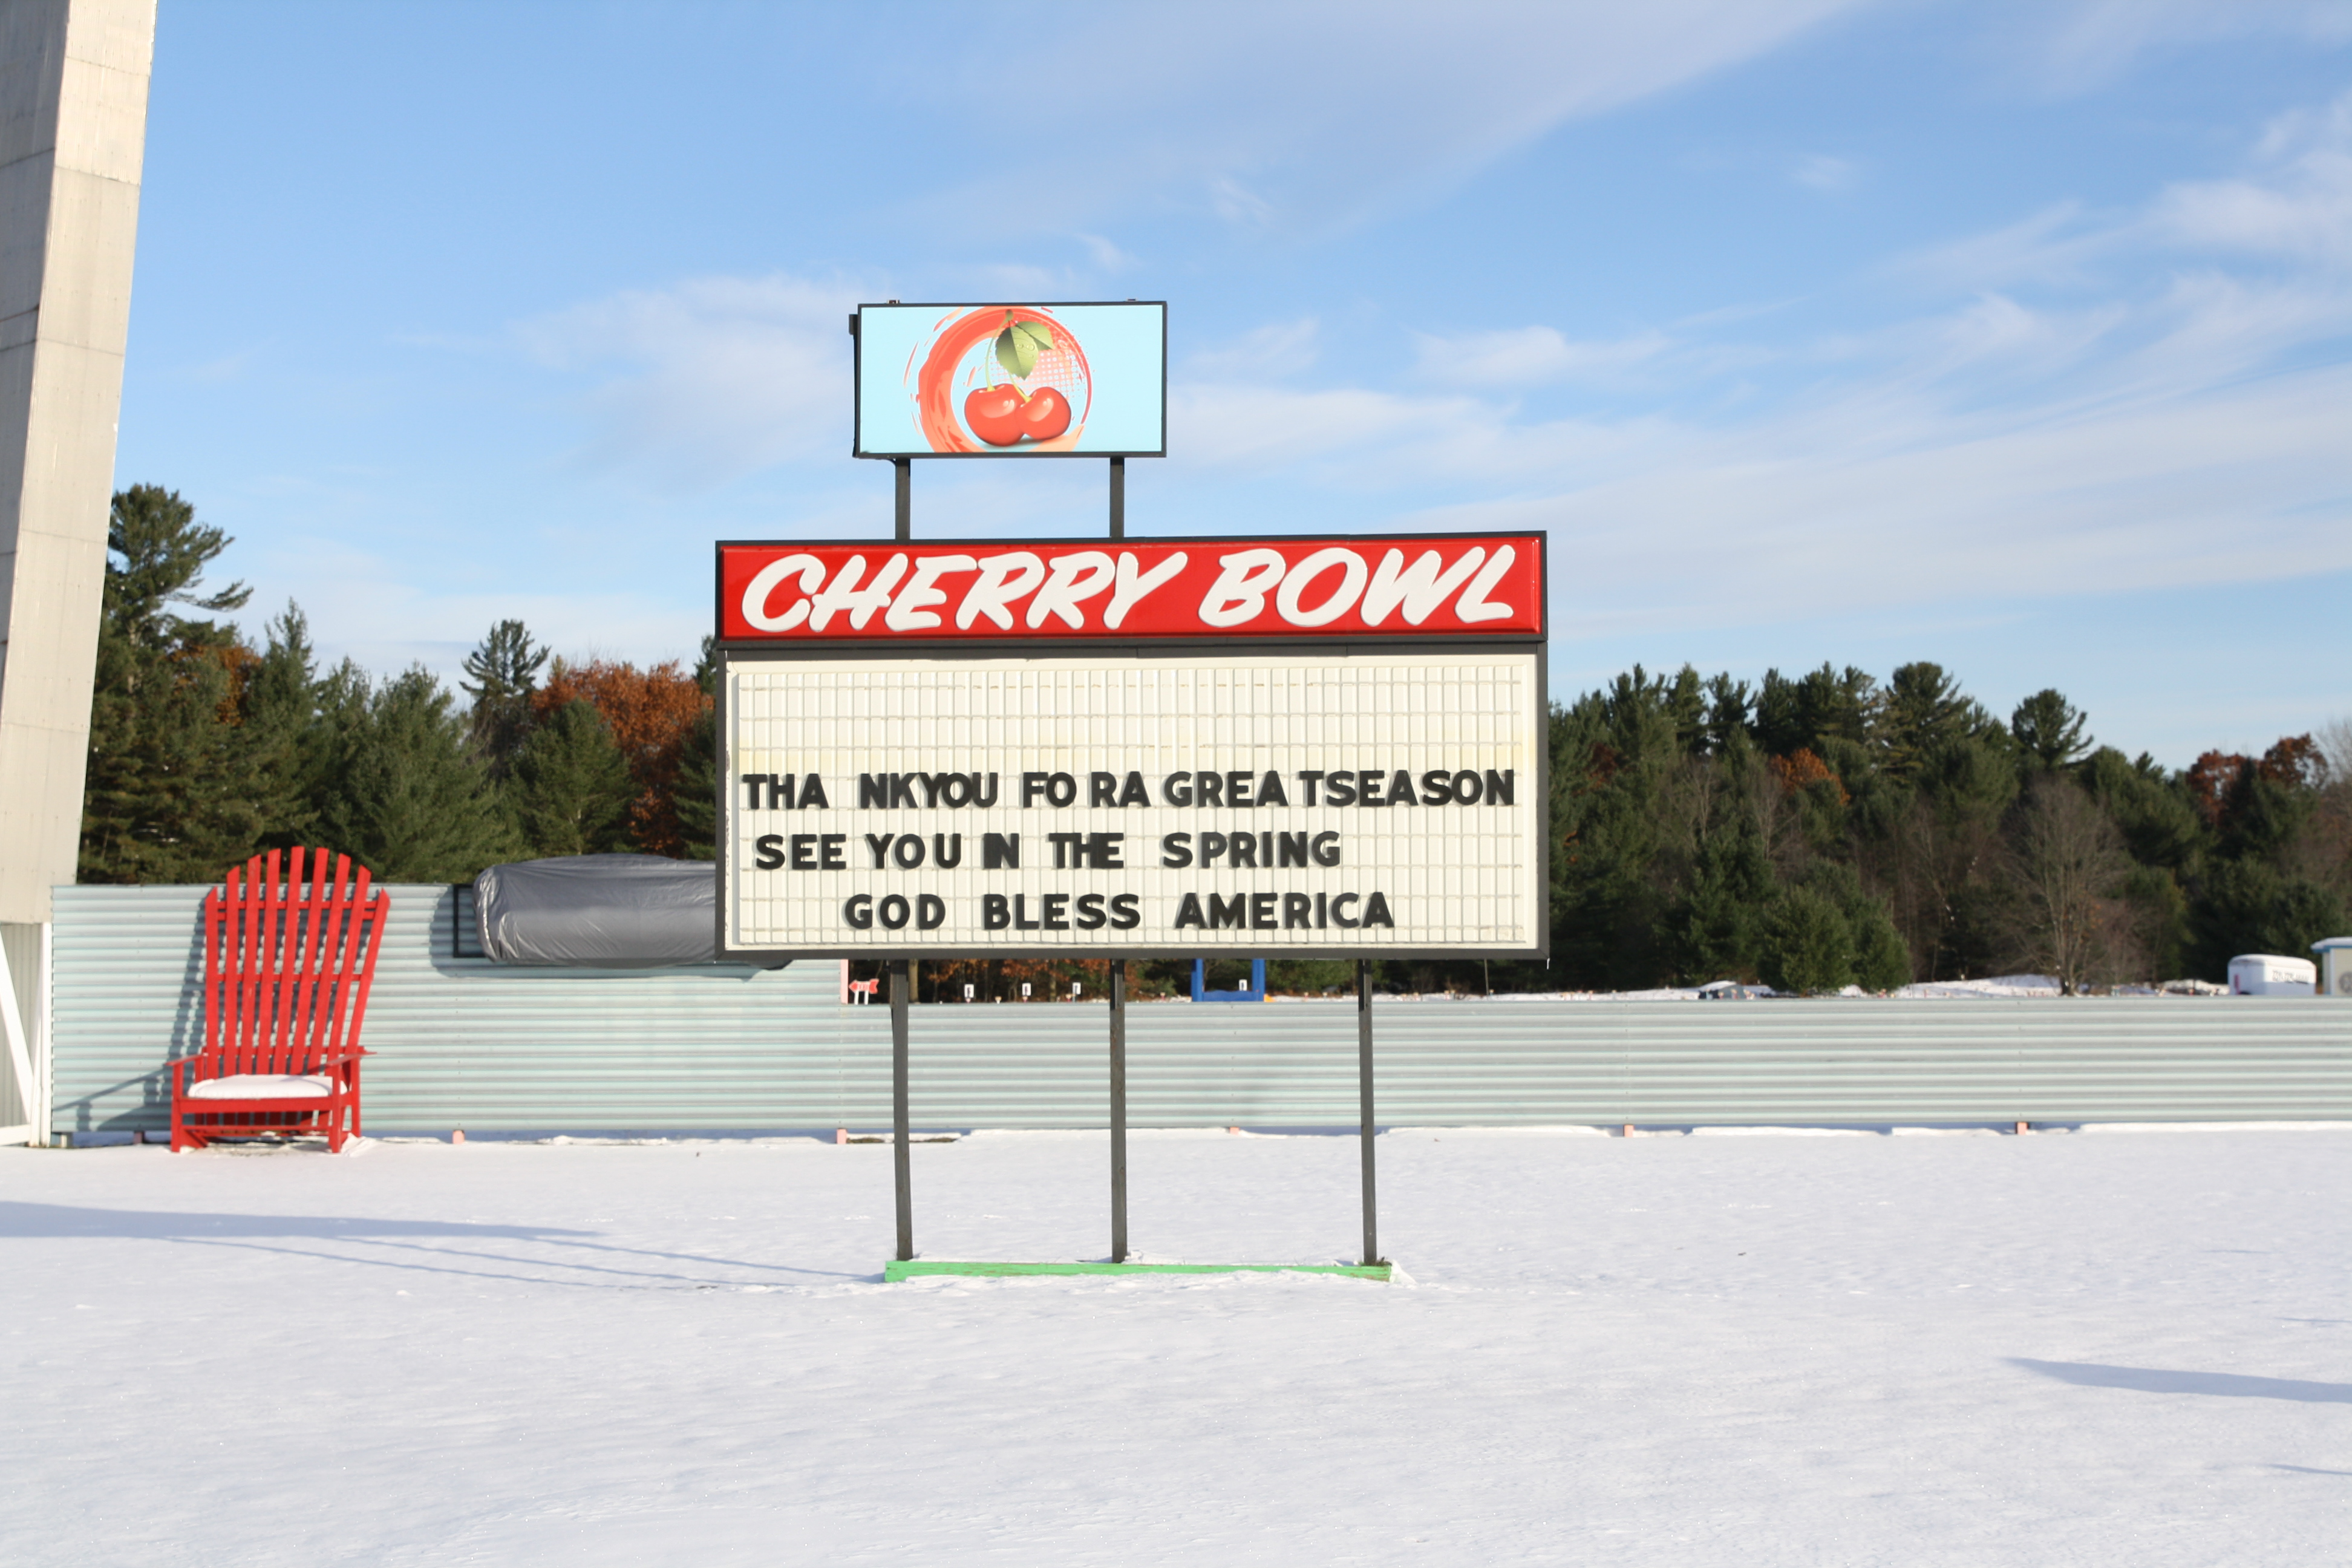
x: 2295, y: 761
x: 2210, y: 779
x: 650, y: 712
x: 1800, y: 768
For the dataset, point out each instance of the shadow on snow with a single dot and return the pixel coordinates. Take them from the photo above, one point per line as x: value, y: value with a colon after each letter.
x: 2223, y: 1384
x: 55, y: 1221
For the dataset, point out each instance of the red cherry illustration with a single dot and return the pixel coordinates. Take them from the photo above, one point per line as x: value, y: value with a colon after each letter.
x: 994, y: 414
x: 1045, y: 415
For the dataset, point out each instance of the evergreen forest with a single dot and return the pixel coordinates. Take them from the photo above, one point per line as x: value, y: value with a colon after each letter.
x: 1812, y: 831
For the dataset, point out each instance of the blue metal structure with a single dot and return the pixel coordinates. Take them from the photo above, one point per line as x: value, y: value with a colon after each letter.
x: 1253, y: 989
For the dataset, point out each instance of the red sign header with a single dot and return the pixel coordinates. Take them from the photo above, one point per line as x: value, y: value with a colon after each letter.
x: 1445, y: 587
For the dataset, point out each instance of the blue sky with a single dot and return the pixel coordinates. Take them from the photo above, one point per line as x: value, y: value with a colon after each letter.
x: 2009, y: 336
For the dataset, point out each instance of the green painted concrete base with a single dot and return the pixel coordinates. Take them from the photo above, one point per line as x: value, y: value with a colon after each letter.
x: 897, y: 1271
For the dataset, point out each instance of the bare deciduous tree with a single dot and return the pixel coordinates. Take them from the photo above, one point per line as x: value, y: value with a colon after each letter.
x: 2068, y: 863
x: 2334, y: 739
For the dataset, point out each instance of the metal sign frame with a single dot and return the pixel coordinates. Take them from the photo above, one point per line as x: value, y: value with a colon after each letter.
x: 857, y: 379
x: 1111, y: 650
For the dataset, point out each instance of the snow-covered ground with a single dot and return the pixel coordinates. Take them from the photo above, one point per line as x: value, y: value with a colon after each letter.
x: 2069, y: 1349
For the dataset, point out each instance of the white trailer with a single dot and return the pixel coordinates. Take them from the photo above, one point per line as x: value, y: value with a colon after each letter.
x: 2268, y: 975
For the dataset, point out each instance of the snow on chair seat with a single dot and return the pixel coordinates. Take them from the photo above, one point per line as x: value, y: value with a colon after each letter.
x: 264, y: 1086
x: 288, y: 964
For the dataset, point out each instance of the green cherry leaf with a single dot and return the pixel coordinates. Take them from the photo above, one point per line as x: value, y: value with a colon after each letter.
x: 1015, y: 352
x: 1037, y: 333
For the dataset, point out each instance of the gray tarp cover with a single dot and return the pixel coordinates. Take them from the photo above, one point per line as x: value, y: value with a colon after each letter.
x: 602, y: 912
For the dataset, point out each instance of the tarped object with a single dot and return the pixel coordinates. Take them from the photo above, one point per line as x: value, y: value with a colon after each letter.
x: 599, y: 911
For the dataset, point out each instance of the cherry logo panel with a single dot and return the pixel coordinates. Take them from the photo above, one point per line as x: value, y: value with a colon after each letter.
x: 1446, y: 586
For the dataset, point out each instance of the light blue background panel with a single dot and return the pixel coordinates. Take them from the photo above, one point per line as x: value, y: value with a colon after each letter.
x: 1126, y: 352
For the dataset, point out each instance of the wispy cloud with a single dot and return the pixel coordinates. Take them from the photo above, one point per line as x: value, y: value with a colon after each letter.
x: 1858, y: 504
x: 2299, y: 208
x: 708, y: 380
x: 1531, y: 356
x: 2106, y: 400
x: 2160, y: 423
x: 2088, y: 43
x: 2054, y: 246
x: 1300, y: 118
x: 1825, y: 174
x: 1107, y: 257
x: 1283, y: 348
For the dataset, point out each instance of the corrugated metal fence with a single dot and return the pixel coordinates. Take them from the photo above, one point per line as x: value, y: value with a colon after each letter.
x: 464, y: 1043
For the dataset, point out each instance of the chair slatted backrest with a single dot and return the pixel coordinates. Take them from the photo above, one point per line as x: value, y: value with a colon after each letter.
x: 289, y: 963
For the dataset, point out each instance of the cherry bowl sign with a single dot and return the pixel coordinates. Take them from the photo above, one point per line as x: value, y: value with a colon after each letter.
x: 1286, y: 747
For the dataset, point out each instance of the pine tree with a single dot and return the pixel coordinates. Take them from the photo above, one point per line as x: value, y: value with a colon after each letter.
x: 1800, y: 714
x: 652, y: 712
x: 1880, y: 960
x: 1728, y: 703
x: 281, y: 728
x: 177, y: 791
x: 698, y: 788
x: 504, y: 670
x: 1716, y: 929
x: 169, y: 793
x: 1808, y: 946
x: 1610, y: 753
x: 2248, y: 906
x: 2049, y: 730
x: 163, y: 552
x: 1686, y: 704
x: 571, y: 788
x: 1923, y: 709
x: 697, y: 794
x: 401, y: 791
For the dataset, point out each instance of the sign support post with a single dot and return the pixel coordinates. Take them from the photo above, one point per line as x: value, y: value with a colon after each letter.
x: 900, y: 1154
x: 1118, y: 981
x: 1118, y: 1110
x: 1364, y: 1093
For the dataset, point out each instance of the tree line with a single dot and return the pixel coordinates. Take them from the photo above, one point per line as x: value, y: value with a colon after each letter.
x: 1812, y: 831
x: 204, y: 748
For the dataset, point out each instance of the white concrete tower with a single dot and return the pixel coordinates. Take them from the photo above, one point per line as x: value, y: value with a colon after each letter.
x: 73, y: 130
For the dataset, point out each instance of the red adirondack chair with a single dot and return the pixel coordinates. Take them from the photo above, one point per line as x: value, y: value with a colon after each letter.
x: 287, y: 970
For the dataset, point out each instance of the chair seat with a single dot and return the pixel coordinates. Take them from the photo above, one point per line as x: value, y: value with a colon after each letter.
x: 263, y: 1086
